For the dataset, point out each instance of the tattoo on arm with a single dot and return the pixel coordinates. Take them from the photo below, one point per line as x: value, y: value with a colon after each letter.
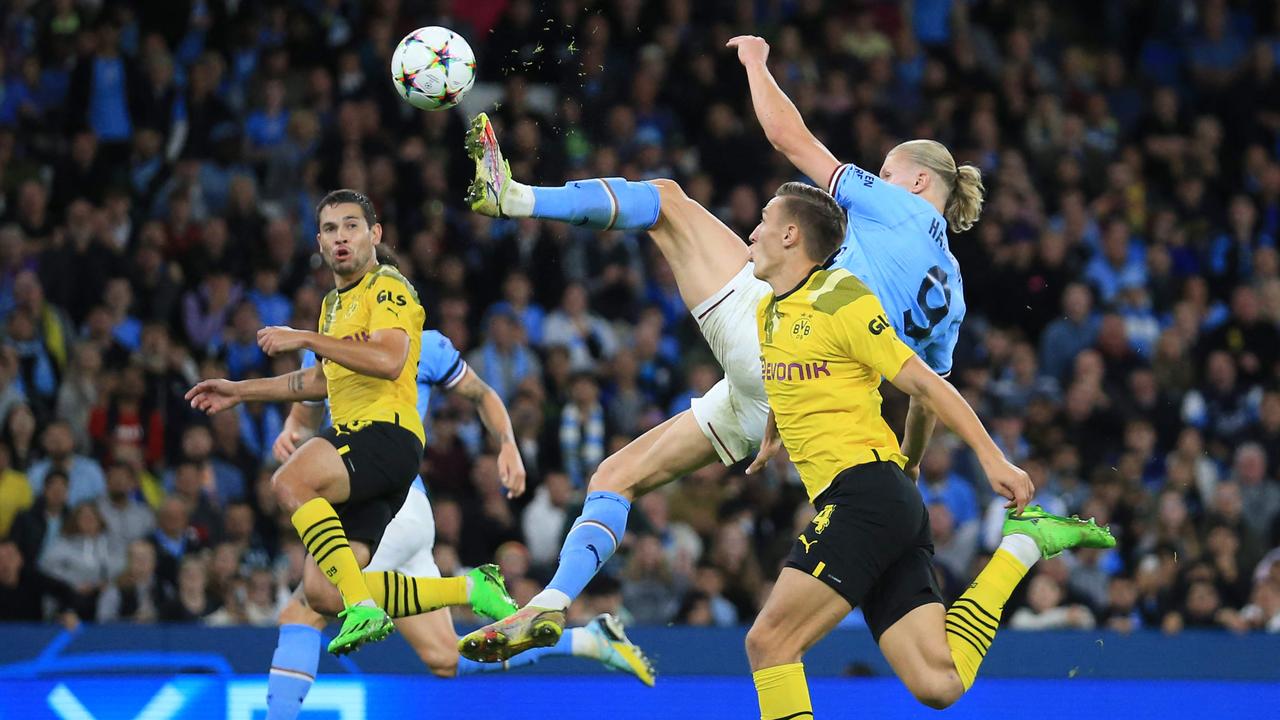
x: 472, y: 387
x: 297, y: 381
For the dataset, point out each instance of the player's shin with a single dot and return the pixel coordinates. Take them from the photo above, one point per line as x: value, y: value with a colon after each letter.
x: 599, y: 203
x: 293, y: 670
x: 324, y: 537
x: 973, y: 619
x: 591, y: 542
x: 783, y: 692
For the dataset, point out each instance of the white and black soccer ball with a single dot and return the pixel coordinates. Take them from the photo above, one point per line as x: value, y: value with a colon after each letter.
x: 433, y: 67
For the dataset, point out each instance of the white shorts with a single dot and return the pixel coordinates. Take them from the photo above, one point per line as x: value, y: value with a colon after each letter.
x: 409, y: 539
x: 733, y: 412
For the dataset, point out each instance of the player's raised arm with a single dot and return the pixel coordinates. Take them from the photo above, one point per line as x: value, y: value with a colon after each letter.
x: 215, y: 395
x: 779, y: 117
x: 498, y: 422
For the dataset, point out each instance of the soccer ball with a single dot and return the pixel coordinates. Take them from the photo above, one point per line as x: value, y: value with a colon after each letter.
x: 433, y: 67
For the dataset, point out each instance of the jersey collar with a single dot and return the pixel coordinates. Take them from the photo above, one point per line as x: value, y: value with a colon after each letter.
x: 803, y: 282
x: 342, y: 290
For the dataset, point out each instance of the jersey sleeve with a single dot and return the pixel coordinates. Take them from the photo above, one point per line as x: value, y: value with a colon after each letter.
x: 864, y: 333
x: 864, y: 195
x: 393, y: 305
x: 441, y: 364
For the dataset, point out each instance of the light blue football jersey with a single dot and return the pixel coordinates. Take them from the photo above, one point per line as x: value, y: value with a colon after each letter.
x: 896, y: 242
x: 440, y: 365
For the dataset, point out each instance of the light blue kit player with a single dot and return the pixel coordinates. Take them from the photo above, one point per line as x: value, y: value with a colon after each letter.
x: 896, y: 237
x: 896, y: 242
x: 407, y: 547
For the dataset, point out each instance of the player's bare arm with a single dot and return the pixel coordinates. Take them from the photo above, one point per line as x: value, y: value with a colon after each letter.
x: 383, y: 355
x: 916, y: 432
x: 498, y: 423
x: 300, y: 425
x: 215, y: 395
x: 923, y: 384
x: 778, y: 116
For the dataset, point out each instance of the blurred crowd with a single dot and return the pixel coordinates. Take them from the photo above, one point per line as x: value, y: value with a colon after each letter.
x: 159, y: 167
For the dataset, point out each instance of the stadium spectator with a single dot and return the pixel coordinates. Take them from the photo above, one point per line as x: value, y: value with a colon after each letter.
x: 127, y: 519
x: 136, y: 594
x: 82, y: 559
x: 1045, y: 610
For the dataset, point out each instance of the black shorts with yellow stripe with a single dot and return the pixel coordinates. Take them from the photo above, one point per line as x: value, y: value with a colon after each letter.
x: 382, y: 460
x: 870, y: 542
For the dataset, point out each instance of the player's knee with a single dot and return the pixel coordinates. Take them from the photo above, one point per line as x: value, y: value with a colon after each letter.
x: 937, y: 690
x: 669, y: 189
x: 672, y: 202
x: 767, y: 645
x: 613, y: 475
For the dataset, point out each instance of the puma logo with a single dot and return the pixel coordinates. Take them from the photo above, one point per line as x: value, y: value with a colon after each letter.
x: 595, y: 552
x: 806, y: 543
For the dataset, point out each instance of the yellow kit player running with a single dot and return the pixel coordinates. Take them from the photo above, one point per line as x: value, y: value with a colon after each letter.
x: 344, y: 486
x: 825, y: 343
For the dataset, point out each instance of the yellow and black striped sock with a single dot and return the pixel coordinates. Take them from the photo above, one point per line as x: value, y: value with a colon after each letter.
x: 784, y: 694
x: 403, y: 595
x: 322, y: 534
x: 973, y: 619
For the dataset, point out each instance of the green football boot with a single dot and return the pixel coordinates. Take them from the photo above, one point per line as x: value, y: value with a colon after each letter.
x: 1054, y: 533
x: 361, y: 624
x: 489, y: 593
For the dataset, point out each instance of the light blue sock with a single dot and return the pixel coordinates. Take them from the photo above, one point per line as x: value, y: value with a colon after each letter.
x: 600, y: 203
x: 591, y: 541
x: 562, y: 648
x: 293, y: 670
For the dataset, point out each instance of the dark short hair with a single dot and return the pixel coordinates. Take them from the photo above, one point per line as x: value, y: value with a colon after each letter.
x: 338, y: 197
x: 818, y: 217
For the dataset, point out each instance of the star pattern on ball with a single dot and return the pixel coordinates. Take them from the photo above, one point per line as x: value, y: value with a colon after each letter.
x: 449, y: 97
x: 406, y: 79
x: 443, y: 56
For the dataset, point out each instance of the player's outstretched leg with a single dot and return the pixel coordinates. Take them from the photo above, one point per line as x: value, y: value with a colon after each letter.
x: 937, y: 656
x: 666, y: 452
x: 703, y: 252
x: 599, y: 203
x: 405, y: 595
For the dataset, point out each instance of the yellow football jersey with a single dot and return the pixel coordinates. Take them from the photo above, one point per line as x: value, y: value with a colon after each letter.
x: 823, y: 349
x: 382, y: 299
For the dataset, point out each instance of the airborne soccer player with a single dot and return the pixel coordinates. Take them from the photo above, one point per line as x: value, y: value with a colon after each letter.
x: 825, y: 342
x: 343, y: 486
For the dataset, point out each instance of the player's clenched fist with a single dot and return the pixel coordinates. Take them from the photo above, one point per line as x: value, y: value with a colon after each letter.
x: 213, y: 396
x: 276, y: 339
x: 751, y: 49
